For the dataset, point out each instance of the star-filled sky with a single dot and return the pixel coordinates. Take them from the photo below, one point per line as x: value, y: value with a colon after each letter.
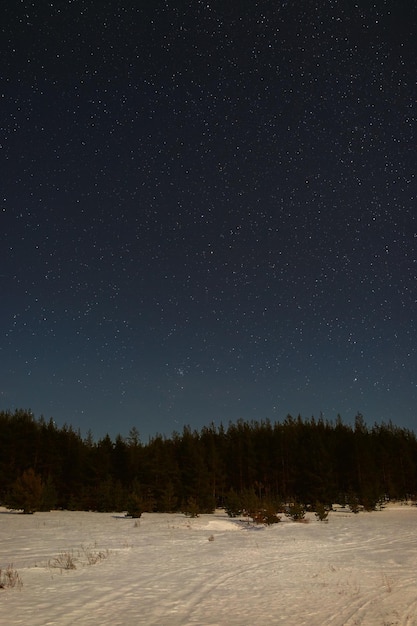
x: 209, y: 211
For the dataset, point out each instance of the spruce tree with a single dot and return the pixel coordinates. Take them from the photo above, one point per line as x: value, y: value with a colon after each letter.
x: 26, y: 492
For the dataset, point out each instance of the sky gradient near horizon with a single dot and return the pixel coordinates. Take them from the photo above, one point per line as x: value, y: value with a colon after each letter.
x: 209, y: 212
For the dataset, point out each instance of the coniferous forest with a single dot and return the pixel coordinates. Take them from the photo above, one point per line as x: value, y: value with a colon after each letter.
x: 306, y: 461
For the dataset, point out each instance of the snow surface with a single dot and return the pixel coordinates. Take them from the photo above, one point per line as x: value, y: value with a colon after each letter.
x: 173, y: 571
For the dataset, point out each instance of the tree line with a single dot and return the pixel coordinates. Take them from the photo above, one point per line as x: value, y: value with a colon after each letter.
x: 297, y: 460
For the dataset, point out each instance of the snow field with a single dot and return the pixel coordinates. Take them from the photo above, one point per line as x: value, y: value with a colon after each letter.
x: 162, y: 569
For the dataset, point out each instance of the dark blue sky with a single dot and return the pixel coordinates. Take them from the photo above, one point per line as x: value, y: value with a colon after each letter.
x: 208, y: 212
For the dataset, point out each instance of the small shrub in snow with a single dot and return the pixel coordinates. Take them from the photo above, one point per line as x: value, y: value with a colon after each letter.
x: 353, y: 502
x: 370, y: 501
x: 191, y: 508
x: 296, y: 512
x: 94, y: 556
x: 9, y: 578
x: 251, y: 504
x: 321, y: 512
x: 266, y: 515
x: 64, y: 560
x: 233, y: 505
x: 262, y: 511
x: 387, y: 582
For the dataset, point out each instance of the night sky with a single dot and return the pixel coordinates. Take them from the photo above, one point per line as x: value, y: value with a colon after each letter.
x: 208, y: 212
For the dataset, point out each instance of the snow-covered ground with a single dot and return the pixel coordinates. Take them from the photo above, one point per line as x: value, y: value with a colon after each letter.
x: 173, y: 571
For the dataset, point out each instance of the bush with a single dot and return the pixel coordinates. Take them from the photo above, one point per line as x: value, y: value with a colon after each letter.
x: 251, y: 504
x: 296, y: 512
x: 321, y: 511
x: 261, y: 511
x: 64, y: 560
x: 9, y: 578
x: 370, y: 501
x: 93, y: 556
x: 267, y: 516
x: 191, y: 508
x: 233, y: 505
x: 353, y: 502
x: 135, y: 505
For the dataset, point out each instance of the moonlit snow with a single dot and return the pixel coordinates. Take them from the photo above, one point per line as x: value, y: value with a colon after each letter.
x: 171, y: 570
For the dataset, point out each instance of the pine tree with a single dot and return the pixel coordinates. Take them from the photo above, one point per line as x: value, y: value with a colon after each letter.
x: 191, y: 508
x: 233, y: 504
x: 321, y: 512
x: 26, y: 492
x: 135, y: 505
